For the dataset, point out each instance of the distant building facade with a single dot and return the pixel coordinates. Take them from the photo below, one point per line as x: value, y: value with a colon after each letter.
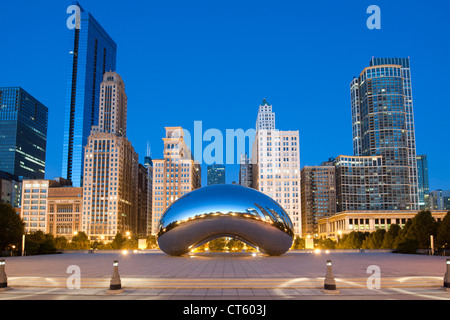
x: 64, y: 209
x: 423, y: 182
x: 318, y: 195
x: 91, y: 54
x: 174, y: 176
x: 111, y: 165
x: 10, y: 189
x: 276, y: 164
x: 440, y: 200
x: 343, y: 223
x: 142, y: 203
x: 148, y: 163
x: 383, y: 125
x: 23, y: 132
x: 362, y: 183
x: 35, y: 202
x: 216, y: 174
x: 245, y: 171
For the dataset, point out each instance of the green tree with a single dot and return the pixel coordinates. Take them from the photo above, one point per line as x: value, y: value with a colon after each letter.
x: 11, y: 227
x: 374, y: 240
x: 61, y: 243
x: 39, y: 243
x: 235, y: 245
x: 80, y: 241
x: 152, y: 242
x: 407, y: 246
x: 443, y: 233
x: 217, y: 245
x: 390, y: 237
x: 130, y: 244
x: 326, y: 243
x: 422, y: 226
x: 118, y: 242
x: 353, y: 240
x: 298, y: 244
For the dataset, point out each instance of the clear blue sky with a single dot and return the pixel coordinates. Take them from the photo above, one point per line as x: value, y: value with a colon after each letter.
x: 215, y: 61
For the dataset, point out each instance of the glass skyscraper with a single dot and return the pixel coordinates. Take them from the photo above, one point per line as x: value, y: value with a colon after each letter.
x: 424, y: 185
x: 216, y: 174
x: 92, y: 53
x: 383, y: 125
x: 23, y: 133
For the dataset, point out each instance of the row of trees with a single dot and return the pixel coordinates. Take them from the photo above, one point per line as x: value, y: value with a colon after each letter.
x: 12, y: 229
x: 414, y: 235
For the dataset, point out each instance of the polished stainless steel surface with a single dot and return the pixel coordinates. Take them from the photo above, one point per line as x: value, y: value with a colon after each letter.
x: 225, y: 211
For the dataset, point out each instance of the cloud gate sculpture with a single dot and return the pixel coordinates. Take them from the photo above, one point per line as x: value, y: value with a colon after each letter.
x: 225, y: 211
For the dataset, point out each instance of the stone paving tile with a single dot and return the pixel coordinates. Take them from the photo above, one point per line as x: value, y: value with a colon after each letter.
x: 214, y: 292
x: 168, y: 292
x: 183, y: 292
x: 306, y: 292
x: 199, y: 292
x: 276, y: 292
x: 245, y: 292
x: 260, y: 292
x: 153, y: 292
x: 229, y: 292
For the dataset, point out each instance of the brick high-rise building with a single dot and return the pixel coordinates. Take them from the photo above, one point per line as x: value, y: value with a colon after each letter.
x: 64, y: 209
x: 174, y: 176
x: 110, y: 192
x: 318, y: 195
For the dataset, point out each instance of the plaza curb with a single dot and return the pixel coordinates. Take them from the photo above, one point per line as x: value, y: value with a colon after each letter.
x: 228, y: 283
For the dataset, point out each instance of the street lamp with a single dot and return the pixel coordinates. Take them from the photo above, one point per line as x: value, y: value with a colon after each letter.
x: 339, y: 235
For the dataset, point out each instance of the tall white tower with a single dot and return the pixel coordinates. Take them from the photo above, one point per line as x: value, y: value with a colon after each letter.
x: 266, y: 118
x: 113, y: 105
x: 276, y: 164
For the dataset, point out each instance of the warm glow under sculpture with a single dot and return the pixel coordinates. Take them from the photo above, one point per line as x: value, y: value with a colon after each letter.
x: 225, y: 211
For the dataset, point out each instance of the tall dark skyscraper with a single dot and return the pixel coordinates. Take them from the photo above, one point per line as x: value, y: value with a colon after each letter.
x: 23, y: 133
x: 383, y: 125
x: 216, y: 174
x: 92, y: 52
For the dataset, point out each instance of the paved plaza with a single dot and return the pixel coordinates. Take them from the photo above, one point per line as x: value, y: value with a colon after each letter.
x: 295, y: 275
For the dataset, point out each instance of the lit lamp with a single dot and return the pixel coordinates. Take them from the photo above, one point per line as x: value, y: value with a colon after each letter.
x: 115, y: 285
x: 330, y: 283
x: 339, y: 235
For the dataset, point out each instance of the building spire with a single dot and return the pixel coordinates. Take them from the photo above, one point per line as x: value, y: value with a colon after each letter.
x: 149, y: 152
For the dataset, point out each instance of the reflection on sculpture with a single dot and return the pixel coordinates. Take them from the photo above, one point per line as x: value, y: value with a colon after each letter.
x: 225, y: 211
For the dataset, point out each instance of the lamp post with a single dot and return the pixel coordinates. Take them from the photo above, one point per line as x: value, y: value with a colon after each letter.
x: 330, y: 283
x: 432, y: 244
x: 447, y: 275
x: 3, y: 278
x: 23, y: 245
x: 115, y: 285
